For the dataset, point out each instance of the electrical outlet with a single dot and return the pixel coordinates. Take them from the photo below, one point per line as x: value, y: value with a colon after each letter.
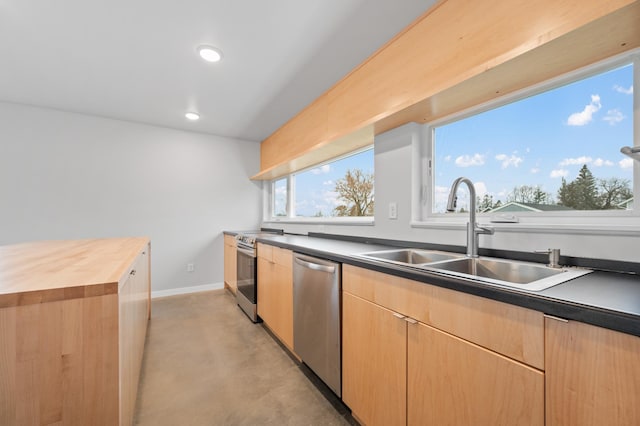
x: 393, y: 210
x: 191, y: 267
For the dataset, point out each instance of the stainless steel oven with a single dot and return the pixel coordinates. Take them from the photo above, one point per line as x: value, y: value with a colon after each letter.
x: 247, y: 270
x: 247, y: 294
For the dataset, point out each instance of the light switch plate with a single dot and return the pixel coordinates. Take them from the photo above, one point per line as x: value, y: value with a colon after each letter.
x: 393, y: 210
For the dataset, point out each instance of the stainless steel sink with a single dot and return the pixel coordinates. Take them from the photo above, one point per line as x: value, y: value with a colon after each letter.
x: 509, y: 273
x: 411, y: 256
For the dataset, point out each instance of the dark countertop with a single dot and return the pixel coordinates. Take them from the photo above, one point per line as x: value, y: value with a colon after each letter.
x: 605, y: 299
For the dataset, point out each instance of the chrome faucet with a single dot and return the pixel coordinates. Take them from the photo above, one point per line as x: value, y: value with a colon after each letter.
x: 473, y: 230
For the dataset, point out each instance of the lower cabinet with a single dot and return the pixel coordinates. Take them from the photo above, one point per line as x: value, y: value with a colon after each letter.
x: 593, y: 375
x: 275, y: 291
x: 454, y: 382
x: 230, y: 264
x: 374, y: 362
x: 134, y: 314
x: 398, y: 370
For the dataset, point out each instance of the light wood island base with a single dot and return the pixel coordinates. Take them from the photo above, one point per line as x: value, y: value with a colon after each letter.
x: 73, y: 320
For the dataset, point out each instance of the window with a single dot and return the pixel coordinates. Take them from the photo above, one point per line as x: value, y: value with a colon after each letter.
x: 340, y: 188
x: 280, y: 189
x: 554, y: 152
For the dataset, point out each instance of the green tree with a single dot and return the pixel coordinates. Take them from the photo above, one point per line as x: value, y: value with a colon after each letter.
x: 355, y: 191
x: 581, y: 193
x: 612, y: 192
x: 485, y: 203
x: 530, y: 194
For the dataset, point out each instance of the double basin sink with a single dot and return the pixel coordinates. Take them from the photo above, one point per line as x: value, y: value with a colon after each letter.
x: 515, y: 274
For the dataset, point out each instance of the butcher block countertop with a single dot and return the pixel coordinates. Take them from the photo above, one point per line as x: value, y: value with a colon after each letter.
x: 47, y: 271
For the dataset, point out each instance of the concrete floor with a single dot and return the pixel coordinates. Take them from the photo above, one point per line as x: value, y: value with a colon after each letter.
x: 205, y: 363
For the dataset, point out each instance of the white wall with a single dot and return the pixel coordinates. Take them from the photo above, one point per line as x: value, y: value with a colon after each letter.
x: 68, y: 176
x: 394, y: 158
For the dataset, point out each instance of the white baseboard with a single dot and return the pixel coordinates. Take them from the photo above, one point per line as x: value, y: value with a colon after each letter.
x: 186, y: 290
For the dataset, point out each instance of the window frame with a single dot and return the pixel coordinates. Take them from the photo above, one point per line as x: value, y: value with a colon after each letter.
x: 290, y: 208
x: 585, y: 221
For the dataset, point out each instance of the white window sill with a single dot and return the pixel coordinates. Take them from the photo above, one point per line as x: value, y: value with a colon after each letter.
x: 349, y: 221
x: 624, y: 230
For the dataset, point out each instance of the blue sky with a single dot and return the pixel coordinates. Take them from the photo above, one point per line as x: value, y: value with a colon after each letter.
x: 541, y: 139
x: 535, y: 141
x: 315, y: 187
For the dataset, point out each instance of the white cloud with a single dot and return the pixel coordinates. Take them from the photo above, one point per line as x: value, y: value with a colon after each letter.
x: 613, y: 117
x: 535, y: 170
x: 321, y: 170
x: 447, y: 158
x: 509, y: 160
x: 327, y: 182
x: 578, y: 161
x: 621, y: 89
x: 558, y: 173
x: 481, y: 189
x: 599, y: 162
x: 584, y: 117
x: 441, y: 197
x: 468, y: 160
x: 627, y: 163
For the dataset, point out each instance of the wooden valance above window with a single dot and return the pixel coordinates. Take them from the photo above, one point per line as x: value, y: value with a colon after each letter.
x: 457, y: 55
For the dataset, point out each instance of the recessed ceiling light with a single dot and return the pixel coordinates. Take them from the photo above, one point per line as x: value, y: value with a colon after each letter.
x: 209, y: 53
x: 193, y: 116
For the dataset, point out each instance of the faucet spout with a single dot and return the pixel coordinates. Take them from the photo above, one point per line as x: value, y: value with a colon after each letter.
x: 473, y: 230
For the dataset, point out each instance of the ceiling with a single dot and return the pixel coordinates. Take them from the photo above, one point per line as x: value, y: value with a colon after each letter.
x: 137, y: 61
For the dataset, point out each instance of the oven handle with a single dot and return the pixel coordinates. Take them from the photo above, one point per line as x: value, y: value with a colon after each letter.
x: 251, y: 253
x: 315, y: 266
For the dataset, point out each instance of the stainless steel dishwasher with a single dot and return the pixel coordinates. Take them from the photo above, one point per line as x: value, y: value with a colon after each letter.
x: 316, y: 317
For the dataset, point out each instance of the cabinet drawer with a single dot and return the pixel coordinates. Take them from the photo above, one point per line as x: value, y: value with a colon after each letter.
x: 265, y: 252
x: 230, y: 240
x: 510, y: 330
x: 283, y: 257
x: 274, y: 254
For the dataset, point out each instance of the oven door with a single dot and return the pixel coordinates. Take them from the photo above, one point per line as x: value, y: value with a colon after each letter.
x: 246, y: 270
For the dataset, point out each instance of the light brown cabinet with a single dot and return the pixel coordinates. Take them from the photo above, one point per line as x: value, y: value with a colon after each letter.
x: 134, y: 312
x: 275, y: 291
x: 454, y: 382
x: 593, y: 375
x: 230, y: 264
x: 374, y: 367
x: 397, y: 369
x: 72, y: 339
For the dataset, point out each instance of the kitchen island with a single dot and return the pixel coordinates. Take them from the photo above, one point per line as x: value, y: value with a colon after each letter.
x: 73, y: 320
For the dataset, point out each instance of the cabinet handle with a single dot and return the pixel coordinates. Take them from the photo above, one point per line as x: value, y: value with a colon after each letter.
x: 555, y: 318
x: 410, y: 320
x: 397, y: 315
x: 133, y: 272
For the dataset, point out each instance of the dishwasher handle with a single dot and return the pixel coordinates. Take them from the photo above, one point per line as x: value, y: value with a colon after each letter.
x: 315, y: 266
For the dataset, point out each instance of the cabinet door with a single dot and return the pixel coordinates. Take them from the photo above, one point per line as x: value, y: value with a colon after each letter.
x: 283, y: 297
x: 593, y: 375
x: 374, y: 367
x: 275, y: 293
x: 266, y: 272
x: 230, y: 263
x: 133, y: 320
x: 454, y: 382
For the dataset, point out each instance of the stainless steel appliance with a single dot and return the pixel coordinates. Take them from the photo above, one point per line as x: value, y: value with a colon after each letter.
x: 247, y: 294
x: 316, y: 317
